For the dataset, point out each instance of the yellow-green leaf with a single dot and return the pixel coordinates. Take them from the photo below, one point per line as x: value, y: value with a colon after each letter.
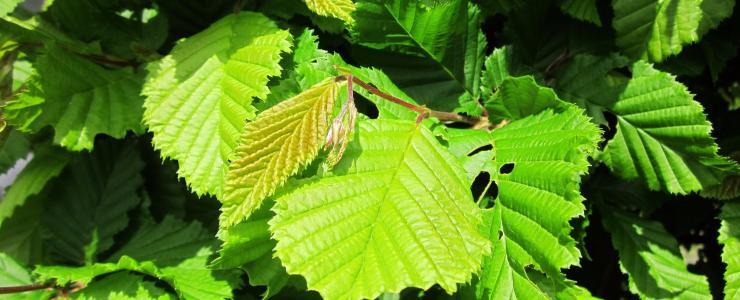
x: 275, y: 146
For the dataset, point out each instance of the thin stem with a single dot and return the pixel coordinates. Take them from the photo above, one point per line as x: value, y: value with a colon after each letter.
x: 24, y: 288
x: 422, y: 110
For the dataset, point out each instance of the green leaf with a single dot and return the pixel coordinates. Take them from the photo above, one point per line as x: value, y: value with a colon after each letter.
x: 13, y: 273
x: 529, y: 222
x: 248, y: 245
x: 649, y: 255
x: 8, y: 6
x: 340, y: 9
x: 663, y: 136
x: 397, y: 213
x: 123, y: 286
x: 560, y: 290
x: 519, y: 97
x: 275, y: 146
x: 46, y: 164
x: 88, y: 204
x: 199, y: 95
x: 15, y: 146
x: 589, y: 81
x: 79, y: 99
x: 173, y: 251
x: 655, y: 29
x: 20, y: 234
x: 181, y: 252
x: 729, y: 237
x: 584, y: 10
x: 434, y: 53
x: 713, y: 13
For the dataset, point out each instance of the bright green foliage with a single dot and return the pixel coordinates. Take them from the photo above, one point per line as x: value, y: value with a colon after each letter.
x: 123, y: 286
x: 584, y: 10
x: 649, y: 255
x: 274, y: 146
x: 88, y: 204
x: 437, y: 52
x: 663, y: 135
x: 79, y: 99
x: 528, y: 223
x: 480, y: 150
x: 199, y: 95
x: 656, y: 29
x: 8, y: 6
x: 173, y: 251
x: 46, y: 164
x: 729, y: 237
x: 340, y: 9
x: 396, y: 213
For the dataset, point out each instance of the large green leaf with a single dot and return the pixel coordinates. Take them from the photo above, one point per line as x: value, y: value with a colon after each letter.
x: 435, y: 53
x: 656, y: 29
x: 173, y: 251
x: 650, y: 257
x: 663, y: 136
x: 199, y: 95
x: 529, y: 222
x: 79, y: 99
x: 397, y: 213
x: 88, y: 204
x: 729, y: 237
x: 275, y: 146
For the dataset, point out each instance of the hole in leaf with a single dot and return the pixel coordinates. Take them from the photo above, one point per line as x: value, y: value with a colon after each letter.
x: 506, y: 168
x: 480, y: 149
x: 366, y: 107
x: 490, y: 196
x: 479, y: 184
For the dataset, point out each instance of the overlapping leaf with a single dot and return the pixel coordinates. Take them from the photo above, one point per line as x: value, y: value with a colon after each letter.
x: 123, y: 286
x: 656, y: 29
x: 248, y: 245
x: 199, y: 95
x: 663, y: 136
x: 584, y: 10
x: 435, y: 53
x: 88, y: 204
x: 649, y: 255
x: 528, y: 223
x: 275, y: 146
x: 79, y: 99
x: 396, y: 214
